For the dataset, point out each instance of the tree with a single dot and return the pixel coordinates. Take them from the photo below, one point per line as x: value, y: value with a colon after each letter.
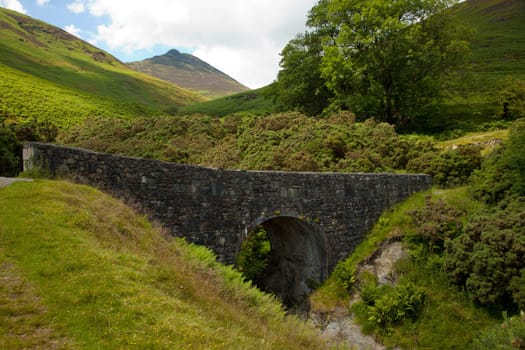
x: 382, y: 58
x: 299, y: 84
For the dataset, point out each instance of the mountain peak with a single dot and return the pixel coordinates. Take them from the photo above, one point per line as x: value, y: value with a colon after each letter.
x: 190, y: 72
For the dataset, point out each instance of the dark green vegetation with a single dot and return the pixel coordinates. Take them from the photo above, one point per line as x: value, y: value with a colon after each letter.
x: 464, y: 268
x: 66, y: 79
x: 189, y: 72
x: 81, y: 270
x: 377, y: 58
x: 286, y: 141
x: 253, y: 257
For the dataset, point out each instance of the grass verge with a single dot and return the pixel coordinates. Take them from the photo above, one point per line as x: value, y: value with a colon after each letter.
x: 106, y: 279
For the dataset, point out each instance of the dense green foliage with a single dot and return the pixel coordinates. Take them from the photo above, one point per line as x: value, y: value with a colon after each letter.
x: 471, y: 253
x: 425, y: 310
x: 503, y: 172
x: 436, y: 223
x: 9, y: 162
x: 489, y: 257
x: 450, y: 167
x: 300, y: 85
x: 382, y: 59
x: 385, y: 306
x: 11, y: 136
x: 252, y: 259
x: 288, y: 141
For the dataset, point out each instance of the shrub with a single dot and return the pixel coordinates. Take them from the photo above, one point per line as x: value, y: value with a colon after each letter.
x: 511, y: 98
x: 489, y: 257
x: 436, y: 222
x: 9, y: 149
x: 448, y: 168
x: 400, y: 303
x: 253, y: 257
x: 344, y: 273
x: 386, y: 306
x: 503, y: 172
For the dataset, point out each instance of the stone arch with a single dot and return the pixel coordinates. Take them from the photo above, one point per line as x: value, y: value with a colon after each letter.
x: 298, y: 261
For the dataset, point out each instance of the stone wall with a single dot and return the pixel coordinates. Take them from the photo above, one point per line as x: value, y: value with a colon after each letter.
x: 217, y: 208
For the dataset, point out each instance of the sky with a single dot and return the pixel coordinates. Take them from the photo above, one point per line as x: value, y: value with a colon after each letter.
x: 242, y: 38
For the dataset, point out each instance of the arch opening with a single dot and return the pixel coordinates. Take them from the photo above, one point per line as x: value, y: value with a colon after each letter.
x: 297, y: 261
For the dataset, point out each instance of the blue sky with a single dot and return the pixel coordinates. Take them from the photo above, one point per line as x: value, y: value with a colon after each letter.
x: 243, y: 38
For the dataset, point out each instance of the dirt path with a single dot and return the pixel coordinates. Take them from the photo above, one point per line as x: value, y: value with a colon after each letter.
x: 6, y: 181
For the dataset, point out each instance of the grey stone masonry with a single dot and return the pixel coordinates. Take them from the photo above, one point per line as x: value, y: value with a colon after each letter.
x: 218, y: 208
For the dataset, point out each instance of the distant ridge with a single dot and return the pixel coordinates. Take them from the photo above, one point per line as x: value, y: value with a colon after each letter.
x: 189, y: 72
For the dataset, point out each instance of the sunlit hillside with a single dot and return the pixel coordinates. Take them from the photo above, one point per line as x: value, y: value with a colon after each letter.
x: 49, y: 74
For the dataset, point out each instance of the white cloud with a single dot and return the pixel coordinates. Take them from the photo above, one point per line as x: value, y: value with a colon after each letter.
x: 13, y: 5
x: 76, y: 7
x: 242, y: 38
x: 41, y: 2
x: 71, y: 29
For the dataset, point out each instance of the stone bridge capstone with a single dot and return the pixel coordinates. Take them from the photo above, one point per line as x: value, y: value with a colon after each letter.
x: 313, y: 220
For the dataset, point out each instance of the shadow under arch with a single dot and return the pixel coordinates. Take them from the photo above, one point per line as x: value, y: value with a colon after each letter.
x: 298, y: 260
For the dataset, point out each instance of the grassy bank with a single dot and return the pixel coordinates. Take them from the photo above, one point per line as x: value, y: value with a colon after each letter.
x: 83, y: 271
x: 447, y: 319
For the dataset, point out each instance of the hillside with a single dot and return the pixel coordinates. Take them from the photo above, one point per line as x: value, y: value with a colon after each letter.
x: 51, y: 75
x: 189, y: 72
x: 497, y: 52
x: 80, y: 270
x: 498, y: 43
x: 256, y: 102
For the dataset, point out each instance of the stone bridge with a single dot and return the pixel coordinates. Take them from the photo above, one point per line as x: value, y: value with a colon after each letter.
x: 313, y: 220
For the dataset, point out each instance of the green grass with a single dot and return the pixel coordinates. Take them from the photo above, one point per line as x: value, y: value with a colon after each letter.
x: 253, y: 102
x: 85, y: 271
x: 53, y: 72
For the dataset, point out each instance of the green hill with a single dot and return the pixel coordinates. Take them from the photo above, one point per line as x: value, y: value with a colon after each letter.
x: 498, y: 52
x: 498, y: 44
x: 51, y: 75
x: 253, y: 102
x: 189, y: 72
x: 80, y: 270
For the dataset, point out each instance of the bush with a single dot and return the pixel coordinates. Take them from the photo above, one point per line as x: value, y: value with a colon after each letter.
x: 386, y: 306
x: 448, y: 168
x: 511, y: 98
x: 489, y: 257
x: 9, y: 152
x: 253, y: 257
x: 503, y: 173
x: 436, y: 222
x: 344, y: 273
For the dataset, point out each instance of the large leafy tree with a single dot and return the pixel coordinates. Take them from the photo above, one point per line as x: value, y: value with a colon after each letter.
x: 300, y: 85
x: 383, y: 58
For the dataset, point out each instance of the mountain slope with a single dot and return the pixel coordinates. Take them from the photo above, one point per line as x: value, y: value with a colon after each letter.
x: 498, y: 43
x: 44, y: 64
x: 189, y: 72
